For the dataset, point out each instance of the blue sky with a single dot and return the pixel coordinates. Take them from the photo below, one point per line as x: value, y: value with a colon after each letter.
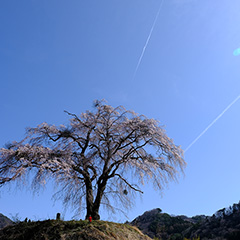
x: 61, y: 55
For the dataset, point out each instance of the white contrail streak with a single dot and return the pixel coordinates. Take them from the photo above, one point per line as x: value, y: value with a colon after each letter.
x: 214, y: 121
x: 147, y: 41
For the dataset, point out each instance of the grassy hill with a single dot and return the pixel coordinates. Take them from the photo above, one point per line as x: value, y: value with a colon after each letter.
x: 71, y: 230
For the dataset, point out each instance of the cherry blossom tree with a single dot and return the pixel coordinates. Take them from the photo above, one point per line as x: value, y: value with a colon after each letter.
x: 101, y: 158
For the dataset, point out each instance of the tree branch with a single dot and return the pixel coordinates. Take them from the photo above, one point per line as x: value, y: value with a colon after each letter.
x: 137, y: 190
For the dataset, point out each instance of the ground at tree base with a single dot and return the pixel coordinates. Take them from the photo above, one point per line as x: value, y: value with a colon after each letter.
x: 71, y: 230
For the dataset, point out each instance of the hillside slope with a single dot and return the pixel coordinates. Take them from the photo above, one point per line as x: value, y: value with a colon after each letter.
x: 4, y: 221
x: 160, y: 225
x: 71, y: 230
x: 223, y: 225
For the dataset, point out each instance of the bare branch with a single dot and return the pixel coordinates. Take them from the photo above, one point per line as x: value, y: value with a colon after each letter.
x: 137, y: 190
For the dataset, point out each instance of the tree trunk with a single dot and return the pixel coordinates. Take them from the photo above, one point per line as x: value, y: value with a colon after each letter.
x: 93, y: 206
x: 89, y: 198
x: 98, y: 199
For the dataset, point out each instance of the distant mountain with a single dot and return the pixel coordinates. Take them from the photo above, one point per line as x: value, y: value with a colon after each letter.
x: 160, y: 225
x: 4, y: 221
x: 224, y: 224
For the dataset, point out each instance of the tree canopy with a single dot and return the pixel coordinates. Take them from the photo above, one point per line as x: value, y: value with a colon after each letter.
x: 102, y: 157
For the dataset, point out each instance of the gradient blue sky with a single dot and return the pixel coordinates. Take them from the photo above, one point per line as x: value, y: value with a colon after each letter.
x: 58, y: 55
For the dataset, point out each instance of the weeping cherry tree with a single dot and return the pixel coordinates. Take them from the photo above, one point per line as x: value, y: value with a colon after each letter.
x: 102, y: 157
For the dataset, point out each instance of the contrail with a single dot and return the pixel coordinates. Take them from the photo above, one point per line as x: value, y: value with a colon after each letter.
x: 214, y: 121
x: 147, y: 41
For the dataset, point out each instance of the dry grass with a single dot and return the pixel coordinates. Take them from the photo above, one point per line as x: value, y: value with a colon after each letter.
x: 71, y: 230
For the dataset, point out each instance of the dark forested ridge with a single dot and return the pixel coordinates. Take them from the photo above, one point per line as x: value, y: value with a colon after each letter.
x: 4, y: 221
x: 160, y: 225
x: 224, y: 224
